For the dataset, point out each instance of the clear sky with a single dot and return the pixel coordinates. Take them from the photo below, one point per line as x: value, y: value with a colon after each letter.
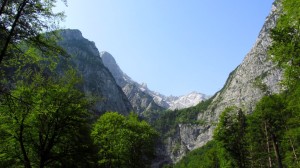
x: 175, y: 46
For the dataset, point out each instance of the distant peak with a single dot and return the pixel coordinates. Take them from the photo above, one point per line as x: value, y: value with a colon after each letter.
x: 71, y: 33
x: 107, y: 58
x: 194, y: 92
x: 144, y: 85
x: 105, y: 54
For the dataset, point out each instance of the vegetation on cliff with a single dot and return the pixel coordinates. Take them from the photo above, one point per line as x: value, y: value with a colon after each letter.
x: 45, y: 119
x: 269, y: 137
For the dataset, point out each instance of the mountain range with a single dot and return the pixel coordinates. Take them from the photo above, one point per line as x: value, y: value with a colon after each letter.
x: 102, y: 77
x: 141, y: 97
x: 97, y: 79
x: 255, y: 77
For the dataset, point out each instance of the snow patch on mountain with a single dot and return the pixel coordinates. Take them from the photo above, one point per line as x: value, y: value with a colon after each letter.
x: 174, y: 102
x: 179, y: 102
x: 167, y: 102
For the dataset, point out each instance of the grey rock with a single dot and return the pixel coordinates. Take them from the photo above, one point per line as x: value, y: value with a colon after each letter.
x: 97, y: 80
x: 241, y: 90
x: 144, y: 99
x: 140, y: 100
x: 186, y: 101
x: 186, y: 139
x: 178, y: 102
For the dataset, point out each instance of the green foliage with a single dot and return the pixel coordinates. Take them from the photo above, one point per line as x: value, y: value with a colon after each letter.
x: 267, y: 138
x: 41, y: 119
x: 207, y: 153
x: 167, y: 121
x: 291, y: 136
x: 44, y: 118
x: 285, y: 51
x: 82, y: 46
x: 258, y: 82
x: 24, y: 20
x: 266, y: 127
x: 210, y: 155
x: 123, y: 141
x: 230, y: 135
x: 228, y: 81
x: 285, y: 48
x: 272, y: 134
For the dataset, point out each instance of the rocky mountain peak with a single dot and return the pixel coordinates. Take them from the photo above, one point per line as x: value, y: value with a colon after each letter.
x: 242, y: 89
x: 97, y: 80
x: 141, y: 97
x: 140, y: 100
x: 186, y: 101
x: 108, y: 58
x: 144, y: 85
x: 110, y: 63
x: 71, y: 34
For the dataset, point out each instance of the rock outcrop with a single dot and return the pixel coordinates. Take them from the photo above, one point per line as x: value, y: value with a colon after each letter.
x: 144, y: 99
x: 140, y: 100
x: 97, y: 79
x: 186, y: 101
x: 252, y: 79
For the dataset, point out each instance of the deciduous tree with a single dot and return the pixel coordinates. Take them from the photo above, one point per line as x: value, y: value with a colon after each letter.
x: 26, y: 20
x: 40, y: 121
x: 230, y: 134
x: 123, y: 141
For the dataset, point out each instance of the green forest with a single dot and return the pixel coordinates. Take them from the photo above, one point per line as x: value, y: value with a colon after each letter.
x: 47, y: 121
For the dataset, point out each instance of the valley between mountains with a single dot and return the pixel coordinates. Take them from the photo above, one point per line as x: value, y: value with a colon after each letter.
x: 66, y: 103
x: 240, y: 90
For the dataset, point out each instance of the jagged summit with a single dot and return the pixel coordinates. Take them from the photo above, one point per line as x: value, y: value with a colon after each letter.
x: 240, y: 90
x: 140, y: 93
x: 189, y: 100
x: 97, y: 80
x: 71, y: 34
x: 141, y: 101
x: 108, y: 58
x: 110, y: 62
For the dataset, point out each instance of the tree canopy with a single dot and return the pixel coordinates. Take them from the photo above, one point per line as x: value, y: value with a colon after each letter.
x: 26, y: 20
x: 123, y: 141
x: 40, y: 121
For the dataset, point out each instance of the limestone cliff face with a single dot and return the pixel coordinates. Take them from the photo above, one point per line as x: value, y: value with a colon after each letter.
x: 186, y: 101
x: 144, y: 99
x: 242, y: 89
x: 140, y: 100
x: 97, y: 80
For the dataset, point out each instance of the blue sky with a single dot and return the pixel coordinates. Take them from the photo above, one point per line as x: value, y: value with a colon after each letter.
x: 174, y: 46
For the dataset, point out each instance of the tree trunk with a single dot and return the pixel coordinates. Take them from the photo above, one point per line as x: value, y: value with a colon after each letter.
x: 276, y: 149
x: 292, y: 146
x: 12, y: 30
x: 42, y: 162
x: 25, y: 157
x: 268, y: 145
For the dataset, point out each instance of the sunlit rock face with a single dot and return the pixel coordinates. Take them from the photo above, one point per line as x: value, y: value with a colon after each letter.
x: 141, y: 97
x: 97, y: 80
x: 242, y: 89
x: 189, y: 100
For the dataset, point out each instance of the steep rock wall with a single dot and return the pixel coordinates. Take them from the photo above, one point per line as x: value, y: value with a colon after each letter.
x: 140, y: 100
x: 97, y: 80
x: 243, y: 89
